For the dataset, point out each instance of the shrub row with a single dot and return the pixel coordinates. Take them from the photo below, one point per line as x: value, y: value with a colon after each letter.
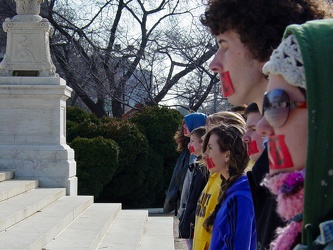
x: 124, y: 161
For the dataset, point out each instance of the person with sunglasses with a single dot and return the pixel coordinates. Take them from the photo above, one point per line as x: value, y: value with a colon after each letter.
x: 300, y: 151
x: 246, y: 33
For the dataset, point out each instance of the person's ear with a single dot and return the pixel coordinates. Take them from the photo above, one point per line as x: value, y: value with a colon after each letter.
x: 227, y: 156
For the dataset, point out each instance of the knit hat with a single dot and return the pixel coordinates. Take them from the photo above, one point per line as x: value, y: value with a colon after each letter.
x: 287, y: 61
x: 195, y: 120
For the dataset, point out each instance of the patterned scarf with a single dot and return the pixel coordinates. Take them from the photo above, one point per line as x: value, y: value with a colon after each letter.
x: 288, y: 187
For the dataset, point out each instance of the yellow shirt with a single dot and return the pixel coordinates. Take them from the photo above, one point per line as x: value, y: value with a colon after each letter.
x: 205, y: 206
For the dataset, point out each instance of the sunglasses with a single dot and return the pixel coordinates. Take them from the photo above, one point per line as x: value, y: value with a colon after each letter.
x: 277, y: 106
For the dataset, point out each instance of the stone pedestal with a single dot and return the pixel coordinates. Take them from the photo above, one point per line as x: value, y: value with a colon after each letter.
x: 33, y: 104
x: 33, y: 131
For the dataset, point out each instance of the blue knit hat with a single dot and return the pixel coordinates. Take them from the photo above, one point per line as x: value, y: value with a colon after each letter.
x: 195, y: 120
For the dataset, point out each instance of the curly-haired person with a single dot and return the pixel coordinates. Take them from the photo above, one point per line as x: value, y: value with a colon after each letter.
x: 247, y: 31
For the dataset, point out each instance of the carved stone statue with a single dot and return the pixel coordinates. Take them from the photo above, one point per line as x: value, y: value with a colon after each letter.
x: 28, y: 7
x: 27, y: 51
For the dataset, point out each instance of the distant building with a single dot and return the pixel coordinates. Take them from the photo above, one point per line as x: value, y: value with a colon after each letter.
x: 136, y: 90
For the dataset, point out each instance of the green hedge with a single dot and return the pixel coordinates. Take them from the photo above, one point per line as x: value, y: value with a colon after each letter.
x: 97, y: 161
x: 146, y: 158
x: 128, y: 187
x: 80, y: 124
x: 159, y: 125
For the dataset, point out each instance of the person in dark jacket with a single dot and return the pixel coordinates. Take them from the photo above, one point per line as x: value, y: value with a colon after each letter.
x: 192, y: 121
x: 263, y: 201
x: 253, y: 140
x: 198, y: 182
x: 172, y: 199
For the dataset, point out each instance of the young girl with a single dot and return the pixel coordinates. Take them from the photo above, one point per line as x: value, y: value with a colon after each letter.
x: 297, y: 106
x: 233, y: 220
x: 198, y: 182
x: 208, y: 198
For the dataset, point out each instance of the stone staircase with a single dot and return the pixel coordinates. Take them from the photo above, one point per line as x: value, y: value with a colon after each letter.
x: 32, y: 217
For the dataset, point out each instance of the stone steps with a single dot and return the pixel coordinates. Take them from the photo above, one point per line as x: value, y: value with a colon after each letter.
x: 45, y: 218
x: 6, y: 175
x: 87, y: 231
x: 11, y: 188
x: 22, y: 206
x: 128, y: 226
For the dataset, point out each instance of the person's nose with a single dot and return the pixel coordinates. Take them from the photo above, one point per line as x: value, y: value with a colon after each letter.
x: 264, y: 128
x: 246, y: 137
x: 216, y: 65
x: 205, y: 154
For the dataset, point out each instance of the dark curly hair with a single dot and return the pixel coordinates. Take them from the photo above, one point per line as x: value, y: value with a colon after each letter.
x: 260, y: 23
x: 230, y: 139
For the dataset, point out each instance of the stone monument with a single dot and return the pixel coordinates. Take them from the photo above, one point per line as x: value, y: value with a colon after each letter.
x: 33, y: 104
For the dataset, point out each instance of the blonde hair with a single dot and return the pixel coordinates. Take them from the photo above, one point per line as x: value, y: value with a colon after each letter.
x: 225, y: 118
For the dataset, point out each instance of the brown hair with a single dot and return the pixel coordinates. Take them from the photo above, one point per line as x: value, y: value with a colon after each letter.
x: 251, y: 108
x: 180, y: 138
x: 199, y: 132
x: 230, y: 139
x: 238, y: 109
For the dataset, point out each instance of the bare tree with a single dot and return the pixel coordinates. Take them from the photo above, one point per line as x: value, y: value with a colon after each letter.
x: 116, y: 53
x: 7, y: 9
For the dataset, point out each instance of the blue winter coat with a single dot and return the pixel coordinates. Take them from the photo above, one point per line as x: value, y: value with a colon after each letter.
x: 234, y: 225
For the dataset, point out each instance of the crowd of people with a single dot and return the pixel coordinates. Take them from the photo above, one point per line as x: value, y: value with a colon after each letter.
x: 262, y: 179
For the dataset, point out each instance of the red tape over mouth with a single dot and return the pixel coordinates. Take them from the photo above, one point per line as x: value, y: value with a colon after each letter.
x: 192, y: 150
x: 226, y: 84
x: 209, y: 163
x: 252, y: 148
x: 278, y: 153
